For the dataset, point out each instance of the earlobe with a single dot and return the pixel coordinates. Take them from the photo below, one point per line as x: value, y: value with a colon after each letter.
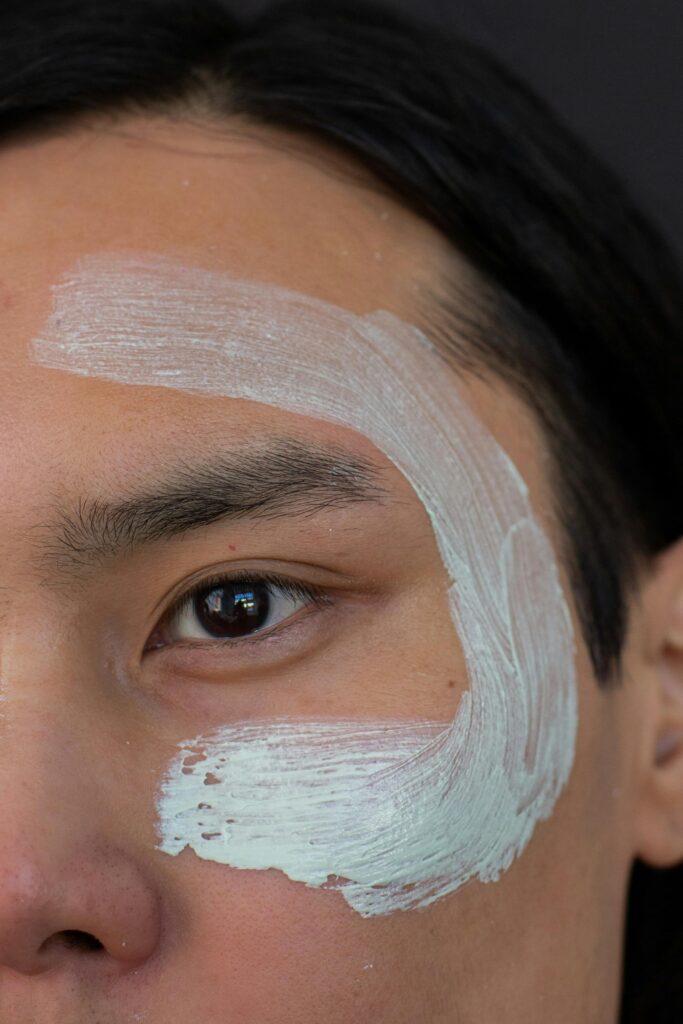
x: 659, y: 825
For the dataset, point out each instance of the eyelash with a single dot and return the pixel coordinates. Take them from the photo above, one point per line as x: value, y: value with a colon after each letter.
x: 290, y: 587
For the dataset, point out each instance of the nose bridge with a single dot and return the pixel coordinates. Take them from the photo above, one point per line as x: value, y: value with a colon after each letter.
x: 36, y: 648
x: 57, y: 711
x: 48, y: 679
x: 43, y: 728
x: 43, y: 755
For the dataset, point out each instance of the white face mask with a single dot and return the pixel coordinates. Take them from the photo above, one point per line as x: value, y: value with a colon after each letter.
x: 394, y: 814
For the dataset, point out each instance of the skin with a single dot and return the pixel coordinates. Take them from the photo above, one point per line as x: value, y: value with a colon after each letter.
x: 89, y: 720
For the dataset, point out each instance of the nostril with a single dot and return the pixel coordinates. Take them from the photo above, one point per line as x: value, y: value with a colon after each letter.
x: 74, y: 939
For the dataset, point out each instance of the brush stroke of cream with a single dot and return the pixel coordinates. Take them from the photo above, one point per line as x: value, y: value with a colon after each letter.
x: 394, y: 815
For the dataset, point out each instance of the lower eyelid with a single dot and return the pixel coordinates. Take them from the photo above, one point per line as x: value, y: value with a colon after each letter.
x: 261, y: 637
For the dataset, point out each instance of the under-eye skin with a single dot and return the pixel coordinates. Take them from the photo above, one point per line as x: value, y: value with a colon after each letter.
x: 236, y: 609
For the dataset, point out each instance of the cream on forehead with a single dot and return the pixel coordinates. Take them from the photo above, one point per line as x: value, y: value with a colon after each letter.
x: 393, y: 814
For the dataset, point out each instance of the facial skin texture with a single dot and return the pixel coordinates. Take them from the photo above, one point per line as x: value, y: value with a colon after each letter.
x: 91, y: 716
x: 406, y: 826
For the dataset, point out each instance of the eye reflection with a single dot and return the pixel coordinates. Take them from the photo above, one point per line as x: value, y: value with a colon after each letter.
x: 234, y: 610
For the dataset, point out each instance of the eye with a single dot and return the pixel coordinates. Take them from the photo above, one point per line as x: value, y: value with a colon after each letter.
x: 233, y: 608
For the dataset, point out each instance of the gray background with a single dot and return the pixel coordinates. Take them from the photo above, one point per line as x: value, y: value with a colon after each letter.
x: 612, y: 68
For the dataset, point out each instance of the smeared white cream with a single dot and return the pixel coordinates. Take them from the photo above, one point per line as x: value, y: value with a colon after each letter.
x: 393, y: 814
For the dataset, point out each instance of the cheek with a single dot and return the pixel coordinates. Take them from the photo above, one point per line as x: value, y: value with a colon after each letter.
x: 405, y: 663
x: 273, y: 950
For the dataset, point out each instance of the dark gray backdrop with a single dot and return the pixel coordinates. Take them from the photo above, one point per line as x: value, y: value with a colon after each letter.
x: 613, y: 68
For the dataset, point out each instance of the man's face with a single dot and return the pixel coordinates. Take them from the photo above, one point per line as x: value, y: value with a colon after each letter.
x: 100, y: 687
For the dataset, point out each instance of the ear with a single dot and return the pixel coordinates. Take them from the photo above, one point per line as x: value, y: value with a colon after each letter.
x: 659, y: 814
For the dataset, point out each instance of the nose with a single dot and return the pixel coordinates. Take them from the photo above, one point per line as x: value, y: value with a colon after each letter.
x: 76, y: 885
x: 87, y: 904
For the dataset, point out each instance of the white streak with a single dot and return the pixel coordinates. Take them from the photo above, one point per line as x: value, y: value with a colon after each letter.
x: 393, y: 814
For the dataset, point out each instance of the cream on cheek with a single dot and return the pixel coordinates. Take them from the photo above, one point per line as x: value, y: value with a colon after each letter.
x: 394, y: 815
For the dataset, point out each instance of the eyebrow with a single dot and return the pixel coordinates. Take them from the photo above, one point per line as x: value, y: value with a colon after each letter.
x: 267, y: 481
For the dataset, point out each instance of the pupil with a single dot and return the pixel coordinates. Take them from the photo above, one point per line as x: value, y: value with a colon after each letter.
x: 234, y: 609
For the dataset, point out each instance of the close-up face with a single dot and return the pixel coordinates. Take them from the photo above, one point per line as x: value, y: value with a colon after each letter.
x: 297, y: 719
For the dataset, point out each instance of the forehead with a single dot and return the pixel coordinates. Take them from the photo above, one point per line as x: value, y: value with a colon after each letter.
x: 254, y: 202
x: 247, y: 202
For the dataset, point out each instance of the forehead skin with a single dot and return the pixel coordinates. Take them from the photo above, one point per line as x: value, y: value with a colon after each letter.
x: 253, y: 202
x: 312, y: 219
x: 257, y: 204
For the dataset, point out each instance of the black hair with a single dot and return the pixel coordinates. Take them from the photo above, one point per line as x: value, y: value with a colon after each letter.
x: 579, y: 305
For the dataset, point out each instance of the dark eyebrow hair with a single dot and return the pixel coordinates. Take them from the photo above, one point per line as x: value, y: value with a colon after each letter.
x: 284, y: 477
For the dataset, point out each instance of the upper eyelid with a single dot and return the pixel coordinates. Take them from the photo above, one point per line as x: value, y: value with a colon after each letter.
x: 220, y: 579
